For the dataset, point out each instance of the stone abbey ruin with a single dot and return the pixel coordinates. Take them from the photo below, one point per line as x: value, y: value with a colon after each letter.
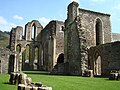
x: 80, y: 44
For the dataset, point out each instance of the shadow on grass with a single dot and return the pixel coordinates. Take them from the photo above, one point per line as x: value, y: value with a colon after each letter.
x: 7, y: 83
x: 37, y: 72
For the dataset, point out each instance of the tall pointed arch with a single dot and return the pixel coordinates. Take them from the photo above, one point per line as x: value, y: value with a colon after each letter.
x: 33, y: 33
x: 99, y: 32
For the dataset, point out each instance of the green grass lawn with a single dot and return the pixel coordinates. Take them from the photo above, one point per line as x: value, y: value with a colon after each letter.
x: 4, y: 85
x: 64, y: 82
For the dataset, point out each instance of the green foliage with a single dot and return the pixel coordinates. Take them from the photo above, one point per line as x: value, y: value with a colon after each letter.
x: 4, y: 39
x: 63, y: 82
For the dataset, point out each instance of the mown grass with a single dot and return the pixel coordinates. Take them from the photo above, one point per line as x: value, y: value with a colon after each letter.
x: 4, y: 83
x: 64, y: 82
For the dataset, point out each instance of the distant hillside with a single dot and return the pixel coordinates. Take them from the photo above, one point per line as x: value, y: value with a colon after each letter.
x: 4, y: 39
x: 116, y: 36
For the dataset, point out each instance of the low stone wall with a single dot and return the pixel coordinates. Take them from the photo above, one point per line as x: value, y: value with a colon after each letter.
x: 25, y: 83
x: 33, y: 87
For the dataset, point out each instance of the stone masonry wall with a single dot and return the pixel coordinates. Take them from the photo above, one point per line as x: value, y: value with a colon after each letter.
x: 110, y: 57
x: 88, y: 20
x: 52, y: 40
x: 4, y: 60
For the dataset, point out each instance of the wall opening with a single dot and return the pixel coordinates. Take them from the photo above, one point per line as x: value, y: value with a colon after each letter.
x: 97, y: 66
x: 60, y: 58
x: 33, y: 32
x: 27, y: 54
x: 98, y: 29
x: 11, y: 63
x: 18, y: 48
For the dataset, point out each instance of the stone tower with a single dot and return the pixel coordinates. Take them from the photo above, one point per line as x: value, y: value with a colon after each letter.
x: 75, y: 42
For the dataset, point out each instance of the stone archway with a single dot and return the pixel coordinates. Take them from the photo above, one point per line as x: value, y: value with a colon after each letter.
x: 18, y: 48
x: 97, y: 64
x: 60, y: 58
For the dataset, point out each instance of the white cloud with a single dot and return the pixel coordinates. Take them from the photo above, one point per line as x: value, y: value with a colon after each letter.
x: 5, y: 25
x: 44, y: 21
x: 117, y: 6
x: 2, y: 20
x: 74, y: 0
x: 97, y: 0
x: 18, y: 17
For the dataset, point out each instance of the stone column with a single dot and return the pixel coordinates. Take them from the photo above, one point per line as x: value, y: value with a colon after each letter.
x: 51, y: 52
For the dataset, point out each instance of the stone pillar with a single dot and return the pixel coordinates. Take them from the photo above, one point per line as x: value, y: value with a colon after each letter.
x: 31, y: 58
x: 51, y: 52
x: 75, y: 42
x: 23, y: 59
x: 72, y: 13
x: 40, y: 58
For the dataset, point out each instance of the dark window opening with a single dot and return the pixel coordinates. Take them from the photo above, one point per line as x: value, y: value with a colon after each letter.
x: 98, y: 28
x: 60, y: 58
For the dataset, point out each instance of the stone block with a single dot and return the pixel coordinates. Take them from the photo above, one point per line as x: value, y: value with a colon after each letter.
x: 45, y: 88
x: 28, y: 88
x: 28, y: 80
x: 21, y: 87
x: 34, y: 88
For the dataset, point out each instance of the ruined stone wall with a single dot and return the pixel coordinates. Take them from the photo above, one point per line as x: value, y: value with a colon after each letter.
x: 110, y: 58
x: 17, y: 39
x: 75, y: 42
x: 59, y: 38
x: 89, y: 20
x: 52, y: 40
x: 115, y: 37
x: 4, y: 60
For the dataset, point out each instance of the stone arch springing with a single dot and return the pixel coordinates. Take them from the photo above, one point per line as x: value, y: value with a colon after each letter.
x: 97, y: 64
x: 98, y: 30
x: 18, y: 48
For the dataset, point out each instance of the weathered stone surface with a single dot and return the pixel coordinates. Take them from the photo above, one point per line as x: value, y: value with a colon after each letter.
x: 110, y: 57
x: 45, y: 88
x: 14, y: 78
x: 21, y: 87
x: 28, y: 80
x: 4, y: 60
x: 86, y: 36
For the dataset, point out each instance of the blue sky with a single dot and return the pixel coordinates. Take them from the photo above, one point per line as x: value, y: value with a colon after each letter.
x: 19, y: 12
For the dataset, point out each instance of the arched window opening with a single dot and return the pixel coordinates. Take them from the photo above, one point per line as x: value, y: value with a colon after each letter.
x: 60, y: 58
x: 33, y: 32
x: 97, y: 67
x: 18, y: 48
x: 27, y: 54
x: 98, y: 28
